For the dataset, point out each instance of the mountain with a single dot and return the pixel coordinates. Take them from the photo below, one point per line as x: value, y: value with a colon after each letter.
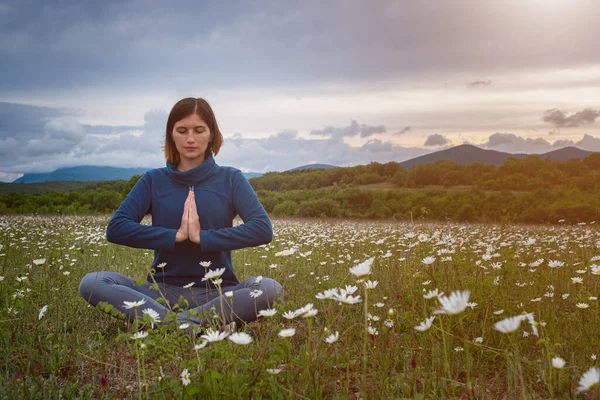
x: 93, y: 173
x: 250, y: 175
x: 83, y: 173
x: 312, y: 166
x: 466, y: 154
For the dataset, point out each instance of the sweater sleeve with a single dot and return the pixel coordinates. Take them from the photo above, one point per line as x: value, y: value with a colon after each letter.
x: 255, y: 230
x: 125, y: 228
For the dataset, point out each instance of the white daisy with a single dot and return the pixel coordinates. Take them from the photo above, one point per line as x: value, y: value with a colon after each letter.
x: 185, y: 377
x: 290, y: 314
x: 363, y: 268
x: 214, y: 336
x: 268, y: 312
x: 428, y: 260
x: 509, y: 324
x: 284, y: 333
x: 133, y: 304
x: 42, y: 312
x: 423, y: 326
x: 371, y: 284
x: 240, y: 338
x: 139, y: 335
x: 273, y: 371
x: 201, y: 345
x: 454, y: 304
x: 153, y: 314
x: 333, y: 337
x: 213, y: 274
x: 590, y: 378
x: 558, y: 363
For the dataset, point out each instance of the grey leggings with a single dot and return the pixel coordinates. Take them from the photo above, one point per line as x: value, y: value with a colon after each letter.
x: 115, y: 288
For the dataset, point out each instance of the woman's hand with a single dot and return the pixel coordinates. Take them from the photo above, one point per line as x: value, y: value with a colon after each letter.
x: 190, y: 222
x: 193, y: 221
x: 182, y: 232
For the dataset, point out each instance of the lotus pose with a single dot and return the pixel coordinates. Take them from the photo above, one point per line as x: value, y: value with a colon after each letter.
x: 193, y: 202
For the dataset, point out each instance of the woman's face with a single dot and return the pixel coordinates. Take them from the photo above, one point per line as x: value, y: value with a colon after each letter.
x: 191, y: 136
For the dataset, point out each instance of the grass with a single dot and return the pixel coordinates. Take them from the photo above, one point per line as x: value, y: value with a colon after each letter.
x: 78, y: 351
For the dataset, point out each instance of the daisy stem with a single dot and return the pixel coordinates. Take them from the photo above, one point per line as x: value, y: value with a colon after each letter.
x: 198, y: 357
x: 366, y: 333
x: 518, y: 367
x: 137, y: 353
x: 308, y: 349
x: 468, y: 358
x: 158, y: 288
x: 446, y: 362
x: 144, y: 374
x: 221, y: 303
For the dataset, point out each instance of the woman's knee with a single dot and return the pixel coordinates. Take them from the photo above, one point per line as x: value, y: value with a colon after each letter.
x: 87, y: 283
x: 90, y: 282
x: 273, y: 289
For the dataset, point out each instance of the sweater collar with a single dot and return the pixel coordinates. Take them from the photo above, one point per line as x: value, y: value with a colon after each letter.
x: 195, y: 175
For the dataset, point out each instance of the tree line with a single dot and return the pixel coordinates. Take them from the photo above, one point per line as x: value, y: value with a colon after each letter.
x: 528, y: 190
x: 525, y: 174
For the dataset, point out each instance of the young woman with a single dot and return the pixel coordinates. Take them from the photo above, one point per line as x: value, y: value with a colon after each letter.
x: 193, y: 202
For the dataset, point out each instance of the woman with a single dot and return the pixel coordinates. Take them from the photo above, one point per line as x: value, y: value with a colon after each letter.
x: 193, y: 202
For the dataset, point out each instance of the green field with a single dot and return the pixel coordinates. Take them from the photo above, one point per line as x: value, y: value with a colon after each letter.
x: 77, y: 351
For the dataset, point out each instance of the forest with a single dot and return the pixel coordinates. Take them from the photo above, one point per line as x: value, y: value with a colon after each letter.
x: 528, y: 190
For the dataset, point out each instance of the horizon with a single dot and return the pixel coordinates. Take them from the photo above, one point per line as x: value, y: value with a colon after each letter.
x: 290, y: 169
x: 361, y: 83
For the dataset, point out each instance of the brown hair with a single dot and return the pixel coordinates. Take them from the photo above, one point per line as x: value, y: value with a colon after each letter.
x: 182, y: 109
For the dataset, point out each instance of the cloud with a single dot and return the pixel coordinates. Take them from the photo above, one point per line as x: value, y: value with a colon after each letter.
x: 62, y: 128
x: 499, y: 139
x: 110, y: 130
x: 377, y: 146
x: 589, y: 142
x: 559, y: 144
x: 512, y: 143
x: 559, y: 119
x: 24, y: 120
x: 403, y: 131
x: 285, y: 150
x: 478, y: 84
x: 436, y: 140
x: 234, y: 42
x: 41, y: 139
x: 348, y: 131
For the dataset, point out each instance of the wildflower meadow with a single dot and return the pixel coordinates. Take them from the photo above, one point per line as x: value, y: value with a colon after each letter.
x: 375, y: 310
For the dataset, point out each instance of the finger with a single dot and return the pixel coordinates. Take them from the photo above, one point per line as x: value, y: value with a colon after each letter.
x: 193, y: 204
x: 186, y: 210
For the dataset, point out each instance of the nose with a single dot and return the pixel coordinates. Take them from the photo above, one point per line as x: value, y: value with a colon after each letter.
x: 190, y: 138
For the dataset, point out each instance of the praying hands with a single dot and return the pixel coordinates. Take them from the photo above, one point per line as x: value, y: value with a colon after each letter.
x: 190, y: 222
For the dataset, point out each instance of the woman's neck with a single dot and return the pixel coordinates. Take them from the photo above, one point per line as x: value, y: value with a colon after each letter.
x: 187, y: 164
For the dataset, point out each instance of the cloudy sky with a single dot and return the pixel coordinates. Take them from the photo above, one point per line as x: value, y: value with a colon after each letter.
x: 295, y: 82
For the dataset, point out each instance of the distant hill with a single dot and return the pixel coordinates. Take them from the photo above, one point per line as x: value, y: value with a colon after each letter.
x: 312, y: 166
x: 91, y: 173
x: 250, y: 175
x: 83, y: 173
x: 466, y: 154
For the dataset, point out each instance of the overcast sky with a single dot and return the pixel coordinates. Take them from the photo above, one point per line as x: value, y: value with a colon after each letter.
x: 295, y: 82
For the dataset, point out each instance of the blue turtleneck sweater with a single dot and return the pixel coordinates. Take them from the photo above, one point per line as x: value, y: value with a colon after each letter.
x: 221, y: 193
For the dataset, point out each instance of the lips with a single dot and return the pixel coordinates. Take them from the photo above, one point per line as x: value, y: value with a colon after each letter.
x: 190, y: 148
